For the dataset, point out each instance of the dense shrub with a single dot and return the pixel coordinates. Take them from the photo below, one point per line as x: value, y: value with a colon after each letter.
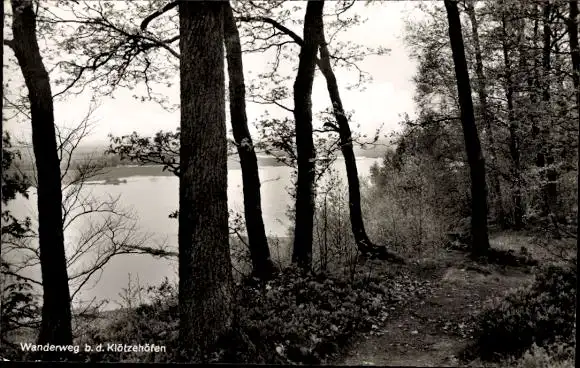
x: 542, y: 313
x: 410, y: 202
x: 19, y: 313
x: 296, y: 318
x: 153, y: 320
x: 556, y: 355
x: 333, y: 242
x: 301, y: 318
x: 507, y: 257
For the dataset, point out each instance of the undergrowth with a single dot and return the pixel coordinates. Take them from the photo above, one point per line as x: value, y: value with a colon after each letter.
x: 541, y: 314
x: 296, y: 318
x: 301, y: 318
x: 555, y: 355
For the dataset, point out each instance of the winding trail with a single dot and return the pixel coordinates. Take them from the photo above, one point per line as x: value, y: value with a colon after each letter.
x: 432, y: 328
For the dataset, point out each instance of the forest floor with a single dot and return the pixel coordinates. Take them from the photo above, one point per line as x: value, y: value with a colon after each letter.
x: 433, y: 327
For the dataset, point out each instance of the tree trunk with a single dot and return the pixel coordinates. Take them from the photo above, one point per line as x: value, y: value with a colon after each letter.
x: 306, y: 154
x: 346, y: 146
x: 2, y: 78
x: 546, y: 48
x: 56, y: 311
x: 486, y: 115
x: 205, y: 272
x: 518, y: 213
x: 534, y: 76
x: 479, y: 232
x: 262, y: 265
x: 575, y: 50
x: 534, y: 86
x: 549, y: 192
x: 362, y: 240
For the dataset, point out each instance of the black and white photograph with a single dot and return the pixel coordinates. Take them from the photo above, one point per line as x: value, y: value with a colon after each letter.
x: 310, y: 182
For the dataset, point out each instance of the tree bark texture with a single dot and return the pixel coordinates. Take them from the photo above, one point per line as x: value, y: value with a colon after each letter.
x: 486, y: 115
x: 262, y: 264
x: 56, y: 312
x: 205, y: 274
x: 479, y: 231
x: 306, y: 154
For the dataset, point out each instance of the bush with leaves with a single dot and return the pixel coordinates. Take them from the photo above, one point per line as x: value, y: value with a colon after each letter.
x: 410, y: 202
x: 334, y: 245
x: 19, y: 313
x: 296, y: 318
x: 148, y: 315
x: 556, y: 355
x: 542, y: 313
x: 306, y: 318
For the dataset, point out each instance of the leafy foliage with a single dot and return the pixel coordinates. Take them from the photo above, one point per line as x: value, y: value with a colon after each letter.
x: 162, y: 149
x: 541, y: 314
x: 405, y: 205
x: 306, y: 318
x: 19, y: 307
x: 556, y: 355
x: 517, y: 121
x: 296, y: 318
x: 13, y: 182
x: 20, y: 310
x: 147, y: 314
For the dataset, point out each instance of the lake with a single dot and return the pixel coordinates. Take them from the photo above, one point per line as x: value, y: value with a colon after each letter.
x: 152, y: 199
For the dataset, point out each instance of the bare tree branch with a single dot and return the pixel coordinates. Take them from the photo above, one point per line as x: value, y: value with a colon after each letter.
x: 158, y: 13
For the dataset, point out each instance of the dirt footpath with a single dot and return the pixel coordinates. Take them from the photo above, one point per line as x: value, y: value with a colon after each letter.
x: 433, y: 328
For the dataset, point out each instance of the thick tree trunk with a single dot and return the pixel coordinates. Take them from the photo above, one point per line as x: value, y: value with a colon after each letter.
x: 479, y: 232
x: 518, y: 213
x: 205, y: 273
x: 575, y: 50
x: 306, y: 154
x: 56, y: 312
x: 262, y: 265
x: 486, y: 116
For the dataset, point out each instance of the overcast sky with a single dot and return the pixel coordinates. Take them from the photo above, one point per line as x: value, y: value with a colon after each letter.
x: 385, y: 99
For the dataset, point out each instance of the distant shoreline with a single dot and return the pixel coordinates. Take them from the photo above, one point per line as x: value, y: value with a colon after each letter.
x: 115, y: 175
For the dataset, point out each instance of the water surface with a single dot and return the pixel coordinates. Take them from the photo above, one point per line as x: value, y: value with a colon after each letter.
x: 152, y: 199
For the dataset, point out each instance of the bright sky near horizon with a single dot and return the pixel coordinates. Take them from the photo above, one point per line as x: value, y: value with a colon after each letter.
x: 385, y: 99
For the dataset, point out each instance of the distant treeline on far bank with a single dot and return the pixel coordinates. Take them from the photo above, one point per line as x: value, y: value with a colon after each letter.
x: 117, y: 167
